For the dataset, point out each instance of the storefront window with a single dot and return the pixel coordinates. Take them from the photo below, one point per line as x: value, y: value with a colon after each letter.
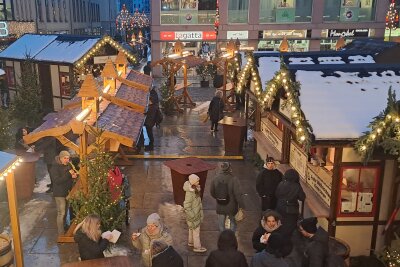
x: 238, y: 11
x: 188, y: 11
x: 285, y: 11
x: 294, y: 45
x: 349, y: 10
x: 358, y: 190
x: 65, y: 85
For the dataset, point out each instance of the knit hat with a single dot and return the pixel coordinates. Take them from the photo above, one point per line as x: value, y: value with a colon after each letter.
x: 193, y: 178
x: 309, y: 225
x: 154, y: 218
x: 158, y: 246
x: 225, y: 167
x: 270, y: 159
x: 63, y: 154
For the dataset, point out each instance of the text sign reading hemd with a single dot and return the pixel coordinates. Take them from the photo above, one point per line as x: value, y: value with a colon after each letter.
x: 186, y: 36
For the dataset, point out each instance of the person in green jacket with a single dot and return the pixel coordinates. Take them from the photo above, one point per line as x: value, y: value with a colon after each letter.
x: 194, y: 211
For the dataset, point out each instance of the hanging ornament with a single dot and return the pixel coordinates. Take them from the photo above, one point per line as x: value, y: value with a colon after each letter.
x: 216, y: 22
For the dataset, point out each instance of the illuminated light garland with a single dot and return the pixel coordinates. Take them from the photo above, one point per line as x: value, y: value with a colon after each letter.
x: 10, y: 169
x: 216, y: 21
x: 281, y: 80
x: 392, y: 17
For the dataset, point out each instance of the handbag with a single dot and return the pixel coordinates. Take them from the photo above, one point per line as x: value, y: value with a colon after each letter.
x: 291, y: 207
x: 239, y: 215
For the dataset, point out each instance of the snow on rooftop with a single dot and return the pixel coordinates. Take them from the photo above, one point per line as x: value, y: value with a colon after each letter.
x: 65, y: 51
x: 267, y: 68
x: 300, y: 60
x: 361, y: 59
x: 28, y: 44
x: 330, y: 60
x: 342, y: 107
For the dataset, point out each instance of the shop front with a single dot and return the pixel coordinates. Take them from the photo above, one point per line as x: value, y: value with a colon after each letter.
x: 329, y: 37
x: 270, y: 40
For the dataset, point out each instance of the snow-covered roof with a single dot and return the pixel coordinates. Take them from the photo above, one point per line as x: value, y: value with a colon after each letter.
x: 341, y: 105
x: 50, y: 47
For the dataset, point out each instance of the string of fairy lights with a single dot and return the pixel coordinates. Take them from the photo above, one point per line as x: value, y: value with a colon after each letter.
x: 392, y: 17
x: 281, y: 79
x: 10, y: 169
x: 216, y: 21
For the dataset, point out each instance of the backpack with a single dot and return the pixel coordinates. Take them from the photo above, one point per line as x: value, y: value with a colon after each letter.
x: 222, y: 193
x: 159, y: 117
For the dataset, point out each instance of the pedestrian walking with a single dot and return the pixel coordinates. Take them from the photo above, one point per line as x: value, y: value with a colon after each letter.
x: 62, y: 174
x: 227, y: 254
x: 288, y: 193
x: 152, y: 117
x: 87, y: 235
x: 216, y: 110
x: 266, y: 183
x: 143, y: 240
x: 272, y: 256
x: 165, y: 255
x: 147, y: 69
x: 194, y: 211
x: 270, y: 223
x: 225, y: 189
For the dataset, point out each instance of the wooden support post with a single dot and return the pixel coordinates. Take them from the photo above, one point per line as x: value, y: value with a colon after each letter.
x: 13, y: 206
x: 335, y: 191
x: 83, y: 154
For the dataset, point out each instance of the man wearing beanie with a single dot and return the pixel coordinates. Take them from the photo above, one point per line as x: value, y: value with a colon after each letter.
x: 62, y: 174
x: 225, y: 189
x: 266, y: 183
x: 154, y: 230
x: 194, y: 211
x: 316, y: 249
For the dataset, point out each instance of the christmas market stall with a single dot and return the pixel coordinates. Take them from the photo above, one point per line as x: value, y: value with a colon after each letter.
x: 61, y: 63
x: 312, y: 110
x: 171, y: 64
x: 8, y: 164
x: 115, y: 106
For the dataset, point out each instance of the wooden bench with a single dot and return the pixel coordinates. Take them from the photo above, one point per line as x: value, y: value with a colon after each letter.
x: 180, y: 86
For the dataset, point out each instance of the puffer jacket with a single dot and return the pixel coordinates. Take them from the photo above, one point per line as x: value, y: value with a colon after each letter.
x: 289, y: 190
x: 89, y: 249
x: 145, y: 241
x: 192, y: 206
x: 235, y: 194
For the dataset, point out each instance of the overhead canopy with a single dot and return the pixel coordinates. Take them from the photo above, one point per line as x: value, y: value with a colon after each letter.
x: 6, y: 160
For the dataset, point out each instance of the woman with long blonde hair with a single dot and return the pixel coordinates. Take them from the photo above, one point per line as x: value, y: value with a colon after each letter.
x: 87, y: 235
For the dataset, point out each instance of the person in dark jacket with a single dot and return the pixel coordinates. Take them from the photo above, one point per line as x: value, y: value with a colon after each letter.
x: 147, y: 69
x: 266, y: 183
x: 216, y: 110
x: 165, y: 255
x: 20, y: 145
x: 87, y: 235
x: 288, y: 193
x: 227, y: 254
x: 235, y: 200
x: 5, y: 93
x: 272, y: 256
x: 154, y: 96
x: 62, y: 174
x: 270, y: 223
x: 149, y: 123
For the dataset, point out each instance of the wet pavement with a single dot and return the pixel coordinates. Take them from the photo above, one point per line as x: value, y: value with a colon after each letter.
x: 151, y: 186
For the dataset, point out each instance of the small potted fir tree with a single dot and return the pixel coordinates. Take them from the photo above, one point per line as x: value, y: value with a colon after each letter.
x: 205, y: 73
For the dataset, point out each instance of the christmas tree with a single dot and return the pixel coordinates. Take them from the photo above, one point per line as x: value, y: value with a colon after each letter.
x: 27, y: 106
x: 5, y: 130
x: 99, y: 199
x: 392, y: 18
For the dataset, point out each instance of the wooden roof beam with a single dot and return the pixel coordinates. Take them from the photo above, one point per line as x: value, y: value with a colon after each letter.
x: 33, y: 137
x: 137, y: 85
x: 121, y: 102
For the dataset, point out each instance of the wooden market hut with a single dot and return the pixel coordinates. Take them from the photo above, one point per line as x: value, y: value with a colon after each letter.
x: 116, y: 106
x: 61, y: 60
x: 308, y: 117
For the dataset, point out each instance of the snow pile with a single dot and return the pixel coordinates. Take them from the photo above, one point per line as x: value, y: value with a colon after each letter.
x: 341, y: 106
x: 267, y: 68
x: 300, y: 60
x: 330, y: 60
x: 361, y: 59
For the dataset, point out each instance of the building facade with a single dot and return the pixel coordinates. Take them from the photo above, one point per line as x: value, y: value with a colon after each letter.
x: 94, y: 17
x: 308, y: 25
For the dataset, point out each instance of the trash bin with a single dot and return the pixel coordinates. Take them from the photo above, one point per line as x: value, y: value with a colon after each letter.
x: 180, y: 171
x: 234, y: 134
x: 25, y: 175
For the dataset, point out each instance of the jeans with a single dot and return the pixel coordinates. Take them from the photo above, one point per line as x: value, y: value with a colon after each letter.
x: 61, y: 204
x: 221, y: 222
x: 194, y: 237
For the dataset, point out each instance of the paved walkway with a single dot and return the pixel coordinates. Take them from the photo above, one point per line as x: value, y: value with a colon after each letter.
x: 151, y: 192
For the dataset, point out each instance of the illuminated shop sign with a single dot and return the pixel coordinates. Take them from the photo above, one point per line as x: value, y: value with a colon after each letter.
x: 347, y: 33
x: 279, y: 34
x: 16, y: 28
x: 243, y: 35
x: 183, y: 36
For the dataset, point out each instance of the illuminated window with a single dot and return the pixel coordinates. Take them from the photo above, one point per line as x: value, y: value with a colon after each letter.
x: 349, y: 10
x: 65, y: 85
x: 10, y: 76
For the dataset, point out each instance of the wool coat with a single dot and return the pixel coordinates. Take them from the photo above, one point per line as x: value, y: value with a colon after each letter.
x: 192, y: 206
x: 145, y: 241
x: 235, y: 194
x: 216, y: 109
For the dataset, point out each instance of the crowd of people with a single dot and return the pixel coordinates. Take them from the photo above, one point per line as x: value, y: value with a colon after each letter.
x: 282, y: 238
